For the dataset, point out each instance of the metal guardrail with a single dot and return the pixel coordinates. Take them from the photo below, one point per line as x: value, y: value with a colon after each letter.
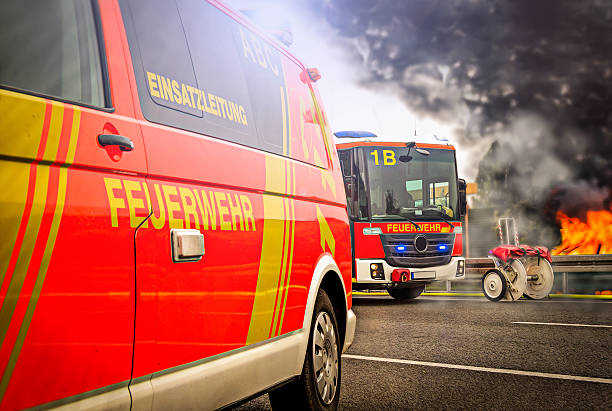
x: 562, y: 264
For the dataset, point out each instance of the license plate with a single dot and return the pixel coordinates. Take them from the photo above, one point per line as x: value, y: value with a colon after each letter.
x: 423, y: 275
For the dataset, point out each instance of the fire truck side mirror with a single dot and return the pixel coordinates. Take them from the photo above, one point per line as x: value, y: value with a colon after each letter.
x: 348, y: 186
x: 462, y: 185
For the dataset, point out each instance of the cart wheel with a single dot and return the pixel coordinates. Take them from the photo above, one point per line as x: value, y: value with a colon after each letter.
x: 541, y: 286
x: 517, y: 279
x: 494, y: 285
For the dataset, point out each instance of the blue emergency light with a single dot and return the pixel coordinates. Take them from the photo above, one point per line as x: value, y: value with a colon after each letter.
x: 354, y: 134
x: 442, y: 247
x: 400, y: 248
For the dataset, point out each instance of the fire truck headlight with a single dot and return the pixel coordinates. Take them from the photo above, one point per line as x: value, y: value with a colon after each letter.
x: 460, y: 268
x: 377, y: 272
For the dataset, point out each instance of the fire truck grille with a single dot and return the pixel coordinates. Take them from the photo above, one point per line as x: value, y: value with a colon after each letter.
x: 403, y: 251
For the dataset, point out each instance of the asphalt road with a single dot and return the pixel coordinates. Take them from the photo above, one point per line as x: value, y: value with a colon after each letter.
x: 467, y: 353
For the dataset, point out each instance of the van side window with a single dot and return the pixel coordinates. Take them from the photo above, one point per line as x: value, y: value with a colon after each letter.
x: 200, y: 70
x: 266, y: 82
x: 167, y: 85
x: 228, y: 110
x: 51, y: 48
x: 187, y: 68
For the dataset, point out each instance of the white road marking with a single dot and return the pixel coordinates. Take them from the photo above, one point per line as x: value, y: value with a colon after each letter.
x: 484, y: 300
x: 563, y: 324
x: 482, y: 369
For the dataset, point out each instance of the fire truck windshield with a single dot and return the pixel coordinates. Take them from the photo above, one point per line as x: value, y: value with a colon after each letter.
x: 415, y: 187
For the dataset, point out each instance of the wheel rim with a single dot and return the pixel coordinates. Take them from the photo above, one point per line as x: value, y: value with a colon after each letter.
x: 519, y: 282
x: 542, y: 286
x: 325, y: 357
x: 493, y: 285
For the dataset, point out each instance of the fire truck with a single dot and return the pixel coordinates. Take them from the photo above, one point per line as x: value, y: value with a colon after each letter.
x: 405, y: 205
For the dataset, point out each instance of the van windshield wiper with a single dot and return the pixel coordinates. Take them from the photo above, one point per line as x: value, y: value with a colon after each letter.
x: 395, y: 216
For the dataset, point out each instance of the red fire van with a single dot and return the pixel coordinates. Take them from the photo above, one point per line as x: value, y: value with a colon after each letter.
x: 173, y: 214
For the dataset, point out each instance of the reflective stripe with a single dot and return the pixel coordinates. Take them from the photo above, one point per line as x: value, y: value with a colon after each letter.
x: 54, y: 179
x: 276, y: 260
x: 271, y: 252
x: 292, y: 241
x: 39, y: 182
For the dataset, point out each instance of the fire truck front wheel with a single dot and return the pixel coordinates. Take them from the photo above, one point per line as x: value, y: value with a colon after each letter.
x: 318, y: 387
x: 406, y: 293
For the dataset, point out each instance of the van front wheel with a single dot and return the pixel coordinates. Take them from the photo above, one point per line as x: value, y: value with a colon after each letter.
x: 318, y: 387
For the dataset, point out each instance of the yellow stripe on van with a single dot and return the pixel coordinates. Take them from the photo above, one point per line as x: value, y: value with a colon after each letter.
x: 290, y: 236
x: 14, y: 181
x: 55, y: 133
x: 271, y: 251
x: 292, y: 239
x: 287, y: 256
x: 286, y: 149
x: 32, y: 228
x: 21, y: 125
x: 42, y: 271
x: 322, y: 125
x: 281, y: 282
x: 327, y: 179
x: 287, y: 225
x: 327, y: 237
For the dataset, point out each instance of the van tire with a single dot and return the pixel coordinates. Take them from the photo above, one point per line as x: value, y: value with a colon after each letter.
x: 406, y: 293
x: 304, y: 393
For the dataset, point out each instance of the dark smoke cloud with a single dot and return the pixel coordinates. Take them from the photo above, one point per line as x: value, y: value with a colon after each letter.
x: 534, y: 74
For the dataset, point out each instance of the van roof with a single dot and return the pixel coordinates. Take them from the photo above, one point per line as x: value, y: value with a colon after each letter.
x: 247, y: 22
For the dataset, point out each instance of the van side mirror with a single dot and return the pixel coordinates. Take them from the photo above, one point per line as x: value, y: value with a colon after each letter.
x: 462, y: 185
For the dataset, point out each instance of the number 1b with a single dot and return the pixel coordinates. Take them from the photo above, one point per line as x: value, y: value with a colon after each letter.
x: 388, y: 157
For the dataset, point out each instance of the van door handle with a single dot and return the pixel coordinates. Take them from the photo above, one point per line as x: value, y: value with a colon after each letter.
x: 124, y: 143
x: 187, y: 245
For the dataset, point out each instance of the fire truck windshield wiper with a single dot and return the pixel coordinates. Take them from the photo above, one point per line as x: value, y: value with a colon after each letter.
x: 395, y: 216
x: 444, y: 217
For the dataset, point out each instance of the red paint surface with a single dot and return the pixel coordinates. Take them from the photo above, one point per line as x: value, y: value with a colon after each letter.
x: 82, y: 331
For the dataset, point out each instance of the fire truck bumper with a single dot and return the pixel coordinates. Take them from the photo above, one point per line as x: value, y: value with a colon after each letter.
x: 378, y: 271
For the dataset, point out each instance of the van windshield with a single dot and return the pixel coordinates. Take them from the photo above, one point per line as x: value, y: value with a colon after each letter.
x: 414, y: 187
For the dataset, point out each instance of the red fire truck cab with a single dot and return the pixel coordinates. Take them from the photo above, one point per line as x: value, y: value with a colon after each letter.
x: 405, y: 204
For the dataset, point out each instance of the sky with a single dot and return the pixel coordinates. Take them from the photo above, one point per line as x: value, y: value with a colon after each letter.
x: 348, y: 104
x: 522, y: 88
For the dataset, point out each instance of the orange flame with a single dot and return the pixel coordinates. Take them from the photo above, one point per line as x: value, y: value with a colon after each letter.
x: 592, y: 237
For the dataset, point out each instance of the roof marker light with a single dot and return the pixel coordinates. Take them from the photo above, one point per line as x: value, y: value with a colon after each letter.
x: 314, y: 74
x: 354, y: 134
x: 440, y: 138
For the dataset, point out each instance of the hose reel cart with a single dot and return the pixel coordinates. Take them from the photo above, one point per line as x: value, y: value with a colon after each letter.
x: 519, y: 269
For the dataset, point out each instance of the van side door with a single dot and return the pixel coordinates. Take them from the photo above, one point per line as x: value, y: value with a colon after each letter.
x: 197, y: 124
